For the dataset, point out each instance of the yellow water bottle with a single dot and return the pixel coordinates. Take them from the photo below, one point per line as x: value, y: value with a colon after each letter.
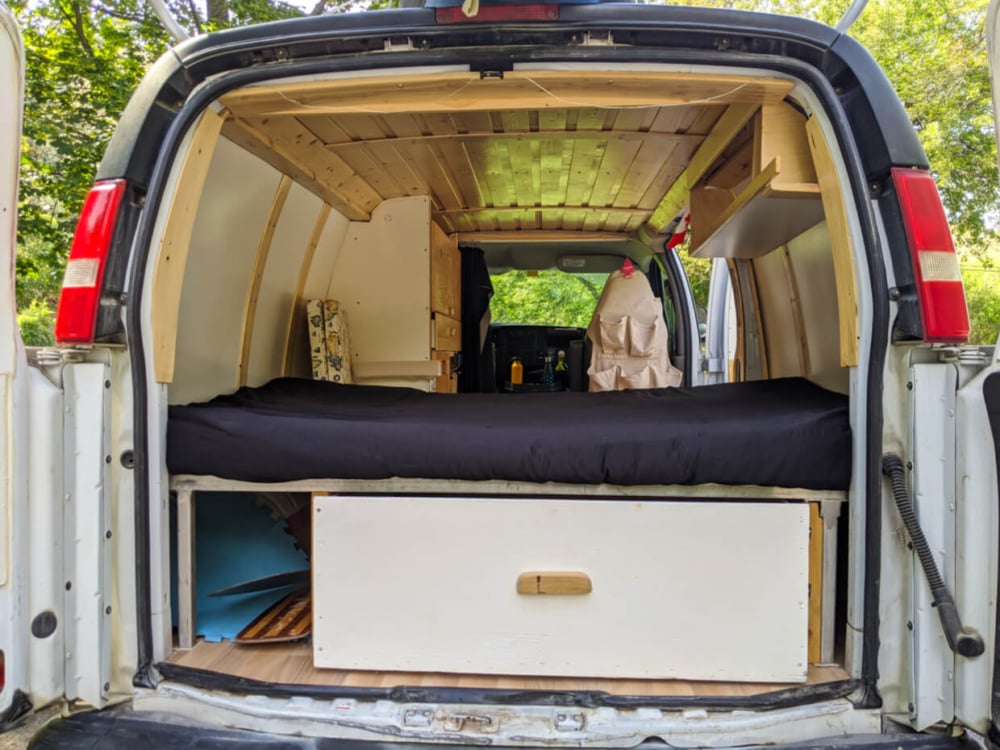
x: 516, y: 372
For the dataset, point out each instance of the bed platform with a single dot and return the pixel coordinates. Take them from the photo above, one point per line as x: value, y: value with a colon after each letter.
x: 777, y: 433
x: 776, y: 447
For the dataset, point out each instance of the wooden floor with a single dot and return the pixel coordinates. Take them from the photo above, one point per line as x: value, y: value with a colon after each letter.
x: 292, y: 664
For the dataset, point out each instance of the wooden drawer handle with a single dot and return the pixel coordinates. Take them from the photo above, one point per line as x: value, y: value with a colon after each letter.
x: 557, y: 583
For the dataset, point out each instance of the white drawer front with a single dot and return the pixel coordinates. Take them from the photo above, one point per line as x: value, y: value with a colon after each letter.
x: 687, y: 590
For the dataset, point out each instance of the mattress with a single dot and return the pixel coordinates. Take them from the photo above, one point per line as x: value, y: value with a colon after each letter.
x: 783, y: 433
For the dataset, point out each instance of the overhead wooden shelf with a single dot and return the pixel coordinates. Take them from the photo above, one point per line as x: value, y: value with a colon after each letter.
x: 765, y: 215
x: 762, y: 194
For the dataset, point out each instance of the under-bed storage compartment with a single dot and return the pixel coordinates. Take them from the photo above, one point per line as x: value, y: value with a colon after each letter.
x: 696, y: 590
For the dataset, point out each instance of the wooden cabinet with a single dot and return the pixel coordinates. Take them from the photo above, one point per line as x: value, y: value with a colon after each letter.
x: 446, y: 306
x: 681, y: 589
x: 761, y: 194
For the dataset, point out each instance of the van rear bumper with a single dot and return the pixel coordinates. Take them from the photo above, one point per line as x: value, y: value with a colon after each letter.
x: 125, y: 730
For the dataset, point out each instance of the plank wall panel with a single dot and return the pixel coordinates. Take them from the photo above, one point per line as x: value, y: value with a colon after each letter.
x: 237, y: 196
x: 276, y: 297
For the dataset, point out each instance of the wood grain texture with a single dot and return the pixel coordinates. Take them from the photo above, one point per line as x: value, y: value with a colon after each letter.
x: 260, y: 263
x: 568, y: 583
x: 291, y: 664
x: 171, y: 258
x: 835, y: 208
x: 815, y: 583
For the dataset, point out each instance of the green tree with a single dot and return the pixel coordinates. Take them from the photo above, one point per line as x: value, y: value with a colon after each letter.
x: 552, y: 298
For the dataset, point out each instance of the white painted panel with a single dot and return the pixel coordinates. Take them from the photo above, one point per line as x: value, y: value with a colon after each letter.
x: 812, y: 262
x: 933, y: 477
x: 777, y: 317
x: 45, y: 527
x: 317, y: 285
x: 691, y: 590
x: 11, y: 112
x: 238, y: 194
x: 279, y: 283
x: 976, y: 545
x: 87, y: 547
x: 382, y: 280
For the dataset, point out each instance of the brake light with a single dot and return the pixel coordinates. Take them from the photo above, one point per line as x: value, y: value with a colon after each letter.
x: 943, y: 309
x: 492, y: 13
x: 76, y: 316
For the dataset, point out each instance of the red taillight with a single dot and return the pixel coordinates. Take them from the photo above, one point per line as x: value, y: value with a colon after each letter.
x: 943, y: 310
x: 492, y: 13
x: 81, y: 290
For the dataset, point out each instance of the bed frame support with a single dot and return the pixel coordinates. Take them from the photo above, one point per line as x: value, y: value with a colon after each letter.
x: 186, y: 488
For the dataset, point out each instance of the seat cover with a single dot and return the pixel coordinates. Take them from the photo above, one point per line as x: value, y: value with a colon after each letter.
x: 629, y: 338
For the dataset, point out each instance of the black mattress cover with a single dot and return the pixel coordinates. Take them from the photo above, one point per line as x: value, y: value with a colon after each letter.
x: 785, y: 433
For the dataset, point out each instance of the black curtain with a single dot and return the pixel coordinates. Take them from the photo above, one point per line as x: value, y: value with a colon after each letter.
x: 476, y: 374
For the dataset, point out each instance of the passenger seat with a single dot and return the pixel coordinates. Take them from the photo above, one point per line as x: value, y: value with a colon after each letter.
x: 629, y: 337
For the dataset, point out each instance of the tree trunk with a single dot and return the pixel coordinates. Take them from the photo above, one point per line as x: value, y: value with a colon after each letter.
x: 218, y: 12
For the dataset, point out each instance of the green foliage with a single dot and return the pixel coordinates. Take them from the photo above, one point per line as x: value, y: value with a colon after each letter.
x: 552, y: 298
x: 36, y: 322
x: 982, y: 292
x: 85, y: 57
x: 699, y: 273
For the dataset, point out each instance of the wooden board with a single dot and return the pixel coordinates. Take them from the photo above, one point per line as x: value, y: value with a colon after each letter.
x: 442, y: 92
x: 288, y: 620
x: 446, y: 275
x: 447, y: 334
x: 451, y: 565
x: 291, y: 664
x: 172, y: 253
x: 835, y: 208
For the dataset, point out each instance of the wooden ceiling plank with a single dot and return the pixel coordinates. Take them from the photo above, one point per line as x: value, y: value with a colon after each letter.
x: 552, y: 120
x: 517, y: 158
x: 556, y: 155
x: 669, y: 170
x: 324, y: 182
x: 497, y: 175
x: 501, y: 211
x: 515, y: 121
x: 470, y: 185
x: 401, y: 125
x: 477, y: 155
x: 640, y: 137
x: 705, y: 120
x: 472, y: 122
x: 641, y: 173
x: 519, y: 90
x: 375, y: 174
x: 422, y: 161
x: 618, y: 158
x: 734, y: 118
x: 413, y: 183
x: 449, y: 177
x: 538, y: 235
x: 590, y: 118
x: 287, y: 135
x: 325, y: 128
x: 587, y: 156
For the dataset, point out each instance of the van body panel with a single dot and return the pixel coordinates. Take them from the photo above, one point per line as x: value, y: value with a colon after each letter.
x: 117, y: 615
x: 13, y: 392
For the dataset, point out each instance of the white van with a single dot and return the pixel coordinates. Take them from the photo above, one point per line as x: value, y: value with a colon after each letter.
x: 276, y: 317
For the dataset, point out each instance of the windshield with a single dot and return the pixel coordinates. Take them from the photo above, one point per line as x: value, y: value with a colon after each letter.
x: 546, y: 298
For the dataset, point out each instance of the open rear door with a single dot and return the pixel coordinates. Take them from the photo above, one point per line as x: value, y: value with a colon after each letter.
x: 977, y: 423
x: 13, y: 520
